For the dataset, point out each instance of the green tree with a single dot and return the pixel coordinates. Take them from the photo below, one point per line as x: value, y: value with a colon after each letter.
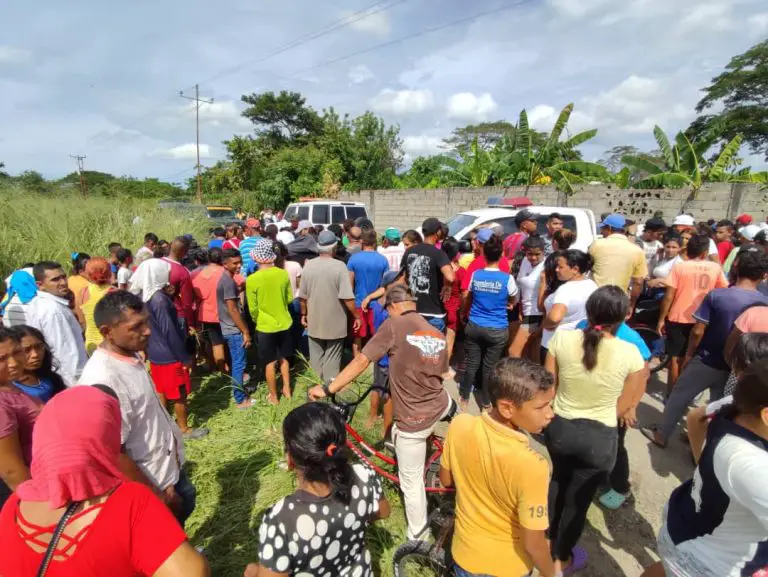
x: 473, y: 167
x: 3, y: 173
x: 487, y: 134
x: 282, y: 118
x: 742, y: 92
x: 424, y: 172
x: 33, y: 181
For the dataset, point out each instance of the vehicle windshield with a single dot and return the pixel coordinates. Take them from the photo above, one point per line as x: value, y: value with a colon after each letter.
x: 298, y: 212
x: 221, y: 213
x: 459, y: 223
x: 355, y: 212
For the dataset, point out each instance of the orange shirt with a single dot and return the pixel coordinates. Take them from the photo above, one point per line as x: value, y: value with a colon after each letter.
x: 692, y: 281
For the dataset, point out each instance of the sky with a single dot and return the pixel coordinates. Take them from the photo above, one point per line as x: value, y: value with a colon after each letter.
x: 102, y: 79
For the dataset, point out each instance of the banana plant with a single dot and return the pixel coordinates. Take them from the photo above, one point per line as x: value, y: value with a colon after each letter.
x: 681, y: 164
x: 472, y: 168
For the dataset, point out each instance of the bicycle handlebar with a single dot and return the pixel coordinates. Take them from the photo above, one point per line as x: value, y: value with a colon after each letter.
x: 343, y: 404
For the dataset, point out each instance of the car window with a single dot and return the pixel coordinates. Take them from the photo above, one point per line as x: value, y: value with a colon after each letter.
x: 458, y: 223
x: 337, y: 214
x: 302, y: 213
x: 290, y: 212
x: 221, y: 213
x: 355, y: 212
x: 320, y: 214
x: 569, y: 222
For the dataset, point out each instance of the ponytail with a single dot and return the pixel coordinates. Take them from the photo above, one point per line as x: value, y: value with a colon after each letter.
x: 592, y: 338
x: 606, y: 310
x: 338, y: 472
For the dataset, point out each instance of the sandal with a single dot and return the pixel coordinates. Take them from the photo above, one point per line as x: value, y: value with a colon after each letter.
x: 650, y: 434
x: 613, y: 500
x: 578, y: 561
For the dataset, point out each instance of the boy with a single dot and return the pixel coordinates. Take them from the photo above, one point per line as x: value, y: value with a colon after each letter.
x: 124, y: 260
x: 366, y: 269
x: 489, y: 460
x: 268, y: 293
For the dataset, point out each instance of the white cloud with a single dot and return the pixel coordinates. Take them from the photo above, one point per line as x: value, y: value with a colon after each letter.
x: 360, y: 73
x: 420, y: 145
x: 219, y: 113
x: 467, y: 106
x: 11, y: 55
x: 708, y: 16
x: 758, y: 23
x: 578, y: 8
x: 403, y: 102
x: 376, y: 23
x: 183, y: 152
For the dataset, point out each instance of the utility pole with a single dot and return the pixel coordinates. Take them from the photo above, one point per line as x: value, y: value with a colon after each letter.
x: 198, y: 101
x: 79, y: 158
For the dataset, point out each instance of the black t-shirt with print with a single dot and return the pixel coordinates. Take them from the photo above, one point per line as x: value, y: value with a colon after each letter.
x: 309, y: 536
x: 421, y: 265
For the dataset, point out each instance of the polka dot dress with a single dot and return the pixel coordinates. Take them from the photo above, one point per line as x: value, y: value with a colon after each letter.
x: 309, y: 536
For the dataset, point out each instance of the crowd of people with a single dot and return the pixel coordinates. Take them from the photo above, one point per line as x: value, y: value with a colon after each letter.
x: 95, y: 375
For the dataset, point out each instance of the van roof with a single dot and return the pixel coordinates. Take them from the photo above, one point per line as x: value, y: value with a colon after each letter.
x: 328, y: 201
x: 498, y: 212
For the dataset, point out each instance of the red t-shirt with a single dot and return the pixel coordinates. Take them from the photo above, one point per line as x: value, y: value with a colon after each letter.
x: 513, y: 243
x: 724, y: 249
x: 133, y: 534
x: 231, y: 243
x: 184, y: 298
x: 479, y: 264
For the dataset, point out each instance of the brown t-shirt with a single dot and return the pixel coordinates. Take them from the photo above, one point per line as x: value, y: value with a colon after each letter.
x: 417, y: 360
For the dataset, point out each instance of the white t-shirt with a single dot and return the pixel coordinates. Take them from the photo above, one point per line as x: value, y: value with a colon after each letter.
x: 573, y: 295
x: 294, y: 273
x: 713, y: 249
x: 124, y: 275
x: 151, y: 438
x: 664, y: 268
x: 393, y: 254
x: 528, y: 281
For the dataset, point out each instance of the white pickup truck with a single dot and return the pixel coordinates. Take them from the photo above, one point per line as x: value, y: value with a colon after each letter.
x: 502, y: 211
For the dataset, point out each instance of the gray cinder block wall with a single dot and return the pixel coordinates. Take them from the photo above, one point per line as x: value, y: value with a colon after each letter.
x: 407, y: 208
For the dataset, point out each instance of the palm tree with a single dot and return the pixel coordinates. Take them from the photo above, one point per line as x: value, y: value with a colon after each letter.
x: 474, y: 167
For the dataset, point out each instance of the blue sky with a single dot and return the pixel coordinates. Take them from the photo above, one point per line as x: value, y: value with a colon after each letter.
x: 102, y: 78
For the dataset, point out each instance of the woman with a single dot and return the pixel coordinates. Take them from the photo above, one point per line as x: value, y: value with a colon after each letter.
x: 18, y: 413
x: 491, y: 293
x: 561, y: 241
x: 529, y: 281
x: 411, y: 238
x: 450, y: 247
x: 234, y: 235
x: 565, y: 307
x: 37, y: 379
x: 330, y: 511
x: 673, y: 245
x: 714, y: 524
x: 99, y: 274
x: 110, y: 526
x: 78, y: 280
x: 599, y: 378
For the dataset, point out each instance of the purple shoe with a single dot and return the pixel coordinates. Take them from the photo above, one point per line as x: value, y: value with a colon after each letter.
x: 578, y: 561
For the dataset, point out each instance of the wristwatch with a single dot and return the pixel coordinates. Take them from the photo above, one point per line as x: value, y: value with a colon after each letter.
x: 327, y: 389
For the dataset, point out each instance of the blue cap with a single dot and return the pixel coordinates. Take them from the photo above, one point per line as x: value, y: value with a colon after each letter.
x: 484, y: 235
x: 389, y: 277
x: 614, y: 221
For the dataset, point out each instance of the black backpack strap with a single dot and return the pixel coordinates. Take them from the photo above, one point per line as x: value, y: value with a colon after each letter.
x: 60, y: 526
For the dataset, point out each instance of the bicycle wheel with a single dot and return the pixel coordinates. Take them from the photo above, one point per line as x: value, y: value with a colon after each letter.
x: 655, y: 342
x: 420, y: 558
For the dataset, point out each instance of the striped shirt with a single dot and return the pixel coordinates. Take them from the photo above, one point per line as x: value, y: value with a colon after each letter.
x: 246, y: 246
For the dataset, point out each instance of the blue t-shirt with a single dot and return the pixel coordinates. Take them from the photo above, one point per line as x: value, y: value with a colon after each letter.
x: 216, y: 243
x: 43, y: 391
x: 627, y: 334
x: 368, y: 266
x: 719, y: 310
x: 380, y: 314
x: 491, y: 290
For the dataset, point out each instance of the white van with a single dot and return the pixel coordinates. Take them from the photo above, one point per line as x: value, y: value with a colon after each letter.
x: 325, y: 212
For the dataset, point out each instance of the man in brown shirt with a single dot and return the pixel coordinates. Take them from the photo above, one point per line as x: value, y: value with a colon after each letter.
x: 417, y: 360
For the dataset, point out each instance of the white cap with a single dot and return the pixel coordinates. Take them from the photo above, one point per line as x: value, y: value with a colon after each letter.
x: 683, y: 220
x: 750, y: 231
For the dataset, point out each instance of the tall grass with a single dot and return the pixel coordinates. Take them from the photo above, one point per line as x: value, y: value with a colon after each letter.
x: 35, y: 227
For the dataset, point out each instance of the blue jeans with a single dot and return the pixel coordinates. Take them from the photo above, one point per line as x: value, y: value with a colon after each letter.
x: 437, y: 322
x: 186, y: 490
x: 236, y: 365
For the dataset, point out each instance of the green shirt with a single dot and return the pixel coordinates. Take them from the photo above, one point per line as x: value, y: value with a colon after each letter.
x: 268, y: 292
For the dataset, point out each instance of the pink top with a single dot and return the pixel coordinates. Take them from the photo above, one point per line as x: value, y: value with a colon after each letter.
x: 18, y: 413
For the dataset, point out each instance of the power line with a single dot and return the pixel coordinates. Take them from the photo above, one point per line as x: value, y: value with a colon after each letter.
x: 79, y: 158
x: 198, y: 101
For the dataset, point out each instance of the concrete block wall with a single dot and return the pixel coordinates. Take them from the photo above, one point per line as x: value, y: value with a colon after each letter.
x: 407, y: 208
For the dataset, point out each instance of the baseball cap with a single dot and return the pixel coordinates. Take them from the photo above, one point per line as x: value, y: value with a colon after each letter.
x: 389, y: 277
x: 303, y: 225
x: 326, y: 238
x: 431, y: 226
x: 614, y: 221
x: 253, y: 223
x: 484, y: 235
x: 683, y: 220
x: 398, y: 293
x: 524, y: 215
x: 750, y: 231
x: 392, y: 233
x: 744, y: 219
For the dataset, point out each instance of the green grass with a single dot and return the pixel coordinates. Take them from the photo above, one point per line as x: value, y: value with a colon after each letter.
x: 36, y: 227
x: 235, y: 470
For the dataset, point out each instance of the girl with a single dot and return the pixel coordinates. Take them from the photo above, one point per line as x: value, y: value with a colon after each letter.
x: 491, y: 293
x: 451, y: 248
x: 320, y: 529
x: 599, y: 378
x: 411, y: 238
x: 99, y: 275
x: 77, y: 281
x: 561, y: 241
x: 529, y: 280
x: 673, y: 246
x: 124, y: 261
x: 38, y: 379
x: 566, y: 306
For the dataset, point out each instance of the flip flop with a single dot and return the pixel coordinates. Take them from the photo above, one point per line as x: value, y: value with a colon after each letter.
x: 613, y: 500
x: 650, y: 434
x: 578, y: 561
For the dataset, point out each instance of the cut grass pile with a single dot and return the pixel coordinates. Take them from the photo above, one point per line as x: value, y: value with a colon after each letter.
x: 235, y: 470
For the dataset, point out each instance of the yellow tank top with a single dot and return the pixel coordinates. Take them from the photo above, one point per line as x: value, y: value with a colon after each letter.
x: 92, y: 294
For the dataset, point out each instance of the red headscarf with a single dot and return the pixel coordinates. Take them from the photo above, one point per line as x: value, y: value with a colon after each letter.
x: 75, y: 448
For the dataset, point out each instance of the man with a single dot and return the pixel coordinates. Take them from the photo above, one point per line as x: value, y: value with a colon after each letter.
x: 554, y: 223
x: 152, y: 449
x: 650, y: 241
x: 148, y: 250
x: 252, y: 236
x: 113, y: 247
x: 233, y: 327
x: 618, y: 261
x: 428, y: 272
x: 304, y: 248
x: 744, y: 220
x: 184, y: 293
x: 391, y: 248
x: 219, y: 237
x: 687, y: 284
x: 745, y: 238
x: 50, y: 313
x: 684, y: 222
x: 354, y: 244
x: 724, y: 239
x: 526, y: 225
x: 326, y: 299
x: 705, y: 366
x: 509, y: 537
x: 366, y: 269
x: 417, y: 360
x: 346, y: 225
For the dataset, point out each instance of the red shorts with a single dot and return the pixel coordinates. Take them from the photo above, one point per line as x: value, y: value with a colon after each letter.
x: 172, y: 381
x: 366, y: 324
